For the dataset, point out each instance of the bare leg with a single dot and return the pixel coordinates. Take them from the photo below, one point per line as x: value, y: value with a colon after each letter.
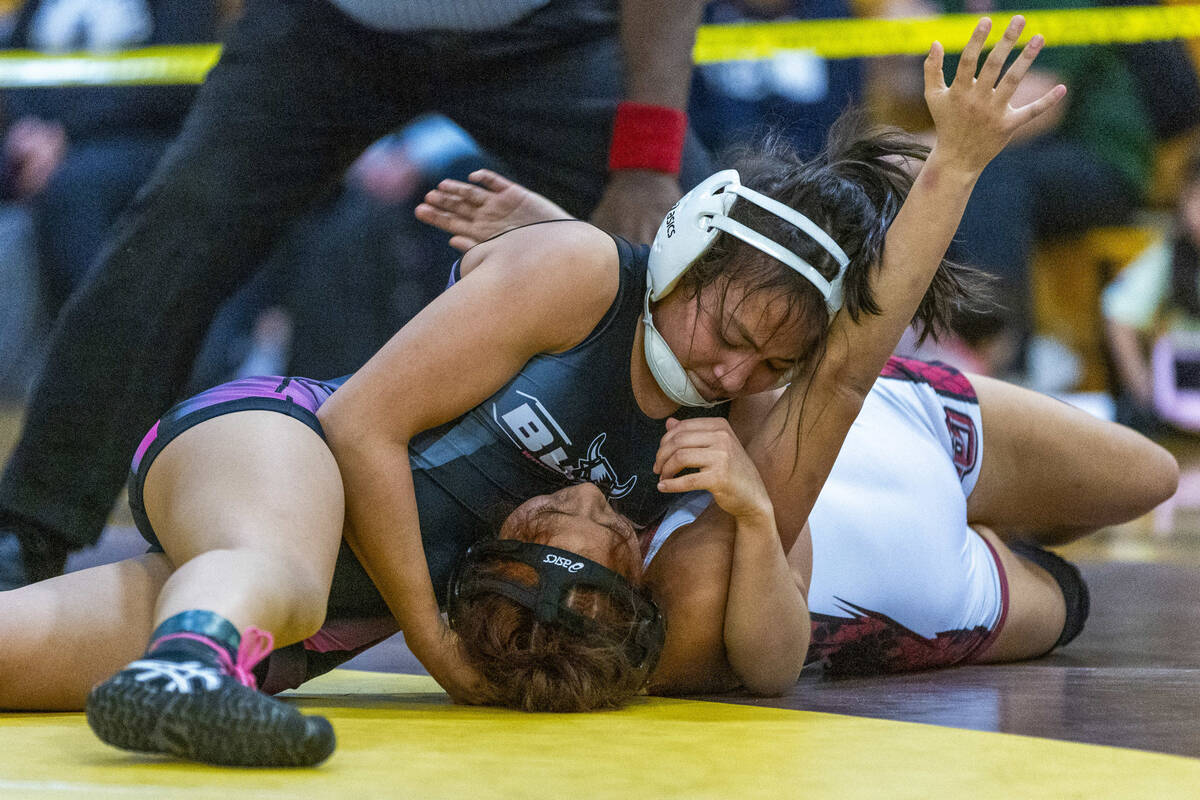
x: 63, y: 635
x: 1036, y: 608
x: 1053, y: 473
x: 490, y: 205
x: 250, y: 506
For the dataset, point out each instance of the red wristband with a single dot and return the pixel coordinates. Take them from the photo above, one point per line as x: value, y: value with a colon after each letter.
x: 647, y: 137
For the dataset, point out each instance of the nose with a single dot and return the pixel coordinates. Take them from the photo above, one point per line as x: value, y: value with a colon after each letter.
x: 586, y: 497
x: 733, y: 375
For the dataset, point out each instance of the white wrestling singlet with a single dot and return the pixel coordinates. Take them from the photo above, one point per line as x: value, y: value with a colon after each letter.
x: 900, y: 582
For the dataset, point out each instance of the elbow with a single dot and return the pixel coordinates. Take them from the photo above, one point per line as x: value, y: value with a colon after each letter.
x: 775, y: 673
x: 772, y: 685
x: 348, y: 433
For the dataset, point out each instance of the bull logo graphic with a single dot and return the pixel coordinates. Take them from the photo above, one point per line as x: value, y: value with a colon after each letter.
x: 595, y: 468
x: 531, y: 427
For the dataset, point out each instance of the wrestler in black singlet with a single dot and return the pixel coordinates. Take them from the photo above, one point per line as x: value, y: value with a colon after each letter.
x: 564, y: 418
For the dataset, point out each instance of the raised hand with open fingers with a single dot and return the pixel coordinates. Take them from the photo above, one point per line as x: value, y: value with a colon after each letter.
x: 973, y: 116
x: 487, y: 206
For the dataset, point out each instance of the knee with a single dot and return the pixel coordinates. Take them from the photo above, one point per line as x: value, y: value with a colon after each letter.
x: 307, y: 600
x: 1159, y: 475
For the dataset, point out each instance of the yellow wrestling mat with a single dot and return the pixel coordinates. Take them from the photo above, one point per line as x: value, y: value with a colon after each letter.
x: 399, y: 736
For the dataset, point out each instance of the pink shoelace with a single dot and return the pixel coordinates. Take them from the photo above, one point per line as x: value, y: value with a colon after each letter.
x: 256, y: 645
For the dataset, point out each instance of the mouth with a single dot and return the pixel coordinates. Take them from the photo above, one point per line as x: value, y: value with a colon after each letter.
x: 628, y: 532
x: 706, y: 389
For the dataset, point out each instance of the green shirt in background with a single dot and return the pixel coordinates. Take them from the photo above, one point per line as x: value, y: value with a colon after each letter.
x: 1104, y: 112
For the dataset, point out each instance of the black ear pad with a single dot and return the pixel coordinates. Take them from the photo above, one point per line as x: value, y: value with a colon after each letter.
x: 558, y: 572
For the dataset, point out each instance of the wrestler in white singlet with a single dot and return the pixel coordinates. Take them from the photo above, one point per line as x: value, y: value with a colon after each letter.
x: 900, y: 581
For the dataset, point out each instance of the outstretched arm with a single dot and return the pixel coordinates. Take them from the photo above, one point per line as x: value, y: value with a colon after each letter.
x: 974, y: 118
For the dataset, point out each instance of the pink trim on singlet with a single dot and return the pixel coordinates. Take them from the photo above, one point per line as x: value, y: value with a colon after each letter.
x: 347, y: 635
x: 999, y: 626
x: 147, y: 440
x: 256, y: 645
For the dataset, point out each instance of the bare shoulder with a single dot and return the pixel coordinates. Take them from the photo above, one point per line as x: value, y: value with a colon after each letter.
x: 566, y: 271
x: 569, y: 247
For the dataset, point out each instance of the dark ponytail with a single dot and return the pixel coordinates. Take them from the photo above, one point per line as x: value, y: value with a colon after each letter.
x: 853, y: 189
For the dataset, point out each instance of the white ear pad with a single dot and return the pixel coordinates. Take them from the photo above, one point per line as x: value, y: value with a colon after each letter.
x: 687, y: 231
x: 668, y: 373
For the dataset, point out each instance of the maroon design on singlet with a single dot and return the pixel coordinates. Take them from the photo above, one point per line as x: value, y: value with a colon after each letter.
x: 942, y: 378
x: 964, y: 439
x: 871, y: 643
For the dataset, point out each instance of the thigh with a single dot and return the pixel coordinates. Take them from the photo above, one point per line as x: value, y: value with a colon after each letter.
x: 257, y: 480
x: 1057, y: 472
x: 298, y: 93
x: 563, y: 103
x: 63, y: 635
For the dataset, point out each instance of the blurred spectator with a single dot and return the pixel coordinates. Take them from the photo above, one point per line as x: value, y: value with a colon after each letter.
x: 349, y: 273
x: 794, y: 93
x: 1152, y: 321
x: 370, y: 263
x: 1084, y: 164
x: 78, y: 154
x: 300, y: 90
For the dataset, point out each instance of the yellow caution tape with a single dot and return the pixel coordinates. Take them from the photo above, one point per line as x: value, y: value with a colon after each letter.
x: 829, y: 38
x: 856, y: 38
x: 145, y: 66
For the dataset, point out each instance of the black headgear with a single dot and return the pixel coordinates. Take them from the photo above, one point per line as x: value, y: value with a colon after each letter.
x: 558, y: 572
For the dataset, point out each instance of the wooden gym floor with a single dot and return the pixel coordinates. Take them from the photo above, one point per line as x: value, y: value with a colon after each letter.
x: 1115, y: 714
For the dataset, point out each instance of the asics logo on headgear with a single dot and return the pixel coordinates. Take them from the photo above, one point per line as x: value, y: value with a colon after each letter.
x: 565, y: 563
x: 670, y: 220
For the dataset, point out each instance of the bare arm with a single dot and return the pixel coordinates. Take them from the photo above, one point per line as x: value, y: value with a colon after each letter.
x: 481, y: 331
x: 745, y: 584
x: 657, y: 39
x: 803, y: 433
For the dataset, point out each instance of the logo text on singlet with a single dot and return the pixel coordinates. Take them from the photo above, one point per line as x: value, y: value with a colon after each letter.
x: 533, y: 429
x: 964, y: 440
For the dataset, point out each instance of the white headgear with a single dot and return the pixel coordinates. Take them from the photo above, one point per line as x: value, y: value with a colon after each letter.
x: 689, y: 230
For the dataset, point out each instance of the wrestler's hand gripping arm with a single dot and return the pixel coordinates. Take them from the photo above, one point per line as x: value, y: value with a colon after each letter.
x: 756, y: 598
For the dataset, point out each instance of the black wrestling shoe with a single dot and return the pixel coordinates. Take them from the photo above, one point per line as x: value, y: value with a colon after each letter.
x: 175, y: 703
